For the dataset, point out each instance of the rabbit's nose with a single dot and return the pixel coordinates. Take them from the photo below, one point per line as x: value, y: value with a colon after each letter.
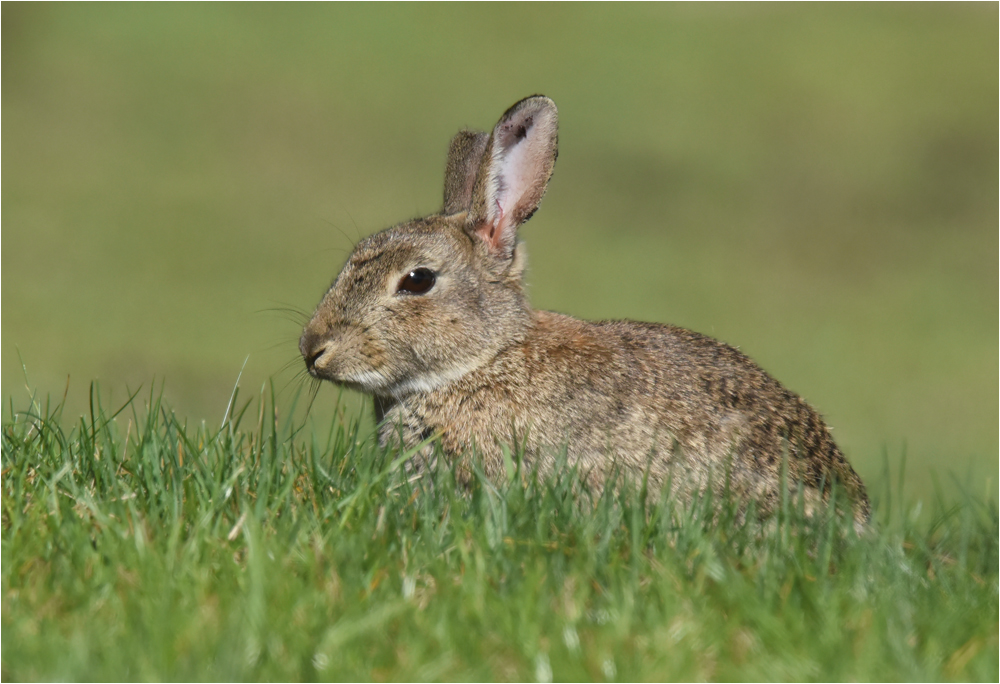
x: 311, y: 349
x: 313, y: 358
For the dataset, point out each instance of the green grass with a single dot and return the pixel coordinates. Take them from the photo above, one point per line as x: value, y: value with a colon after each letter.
x: 813, y: 183
x: 144, y: 548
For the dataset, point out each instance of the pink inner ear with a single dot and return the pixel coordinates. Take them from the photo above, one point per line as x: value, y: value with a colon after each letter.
x: 491, y: 230
x: 513, y: 181
x: 518, y: 171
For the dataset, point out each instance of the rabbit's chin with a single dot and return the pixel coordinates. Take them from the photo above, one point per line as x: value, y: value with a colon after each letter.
x: 374, y: 382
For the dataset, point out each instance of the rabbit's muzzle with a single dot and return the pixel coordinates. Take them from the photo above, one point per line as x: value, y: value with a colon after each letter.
x: 326, y: 351
x: 344, y: 354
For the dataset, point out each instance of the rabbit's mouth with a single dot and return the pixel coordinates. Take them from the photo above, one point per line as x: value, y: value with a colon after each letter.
x: 321, y: 368
x: 323, y: 364
x: 367, y: 382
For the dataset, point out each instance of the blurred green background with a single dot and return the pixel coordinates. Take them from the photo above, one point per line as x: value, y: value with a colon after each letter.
x: 814, y: 184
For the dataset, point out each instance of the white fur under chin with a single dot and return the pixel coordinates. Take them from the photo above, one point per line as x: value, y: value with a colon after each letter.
x: 371, y: 382
x: 428, y: 382
x: 374, y: 382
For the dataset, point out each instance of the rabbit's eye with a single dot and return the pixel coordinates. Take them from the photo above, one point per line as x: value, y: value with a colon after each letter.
x: 418, y: 281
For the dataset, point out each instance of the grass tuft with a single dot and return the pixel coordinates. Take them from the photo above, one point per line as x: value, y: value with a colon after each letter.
x: 138, y: 547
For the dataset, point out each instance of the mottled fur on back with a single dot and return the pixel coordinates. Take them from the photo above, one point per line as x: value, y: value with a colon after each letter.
x: 469, y: 361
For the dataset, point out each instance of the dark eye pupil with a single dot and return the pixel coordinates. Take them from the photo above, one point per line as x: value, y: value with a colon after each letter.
x: 417, y: 281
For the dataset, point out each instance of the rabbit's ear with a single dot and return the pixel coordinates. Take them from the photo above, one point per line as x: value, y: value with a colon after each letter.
x: 464, y: 155
x: 514, y: 172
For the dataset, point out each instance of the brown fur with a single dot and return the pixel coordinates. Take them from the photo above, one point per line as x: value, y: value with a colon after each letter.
x: 471, y: 362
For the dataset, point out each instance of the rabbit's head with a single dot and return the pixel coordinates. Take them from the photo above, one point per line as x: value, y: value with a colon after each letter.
x: 424, y: 302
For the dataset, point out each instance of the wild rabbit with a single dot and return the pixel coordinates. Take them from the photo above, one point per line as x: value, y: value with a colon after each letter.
x: 430, y: 318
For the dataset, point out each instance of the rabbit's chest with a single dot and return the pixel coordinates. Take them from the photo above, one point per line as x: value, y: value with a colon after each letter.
x: 460, y: 422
